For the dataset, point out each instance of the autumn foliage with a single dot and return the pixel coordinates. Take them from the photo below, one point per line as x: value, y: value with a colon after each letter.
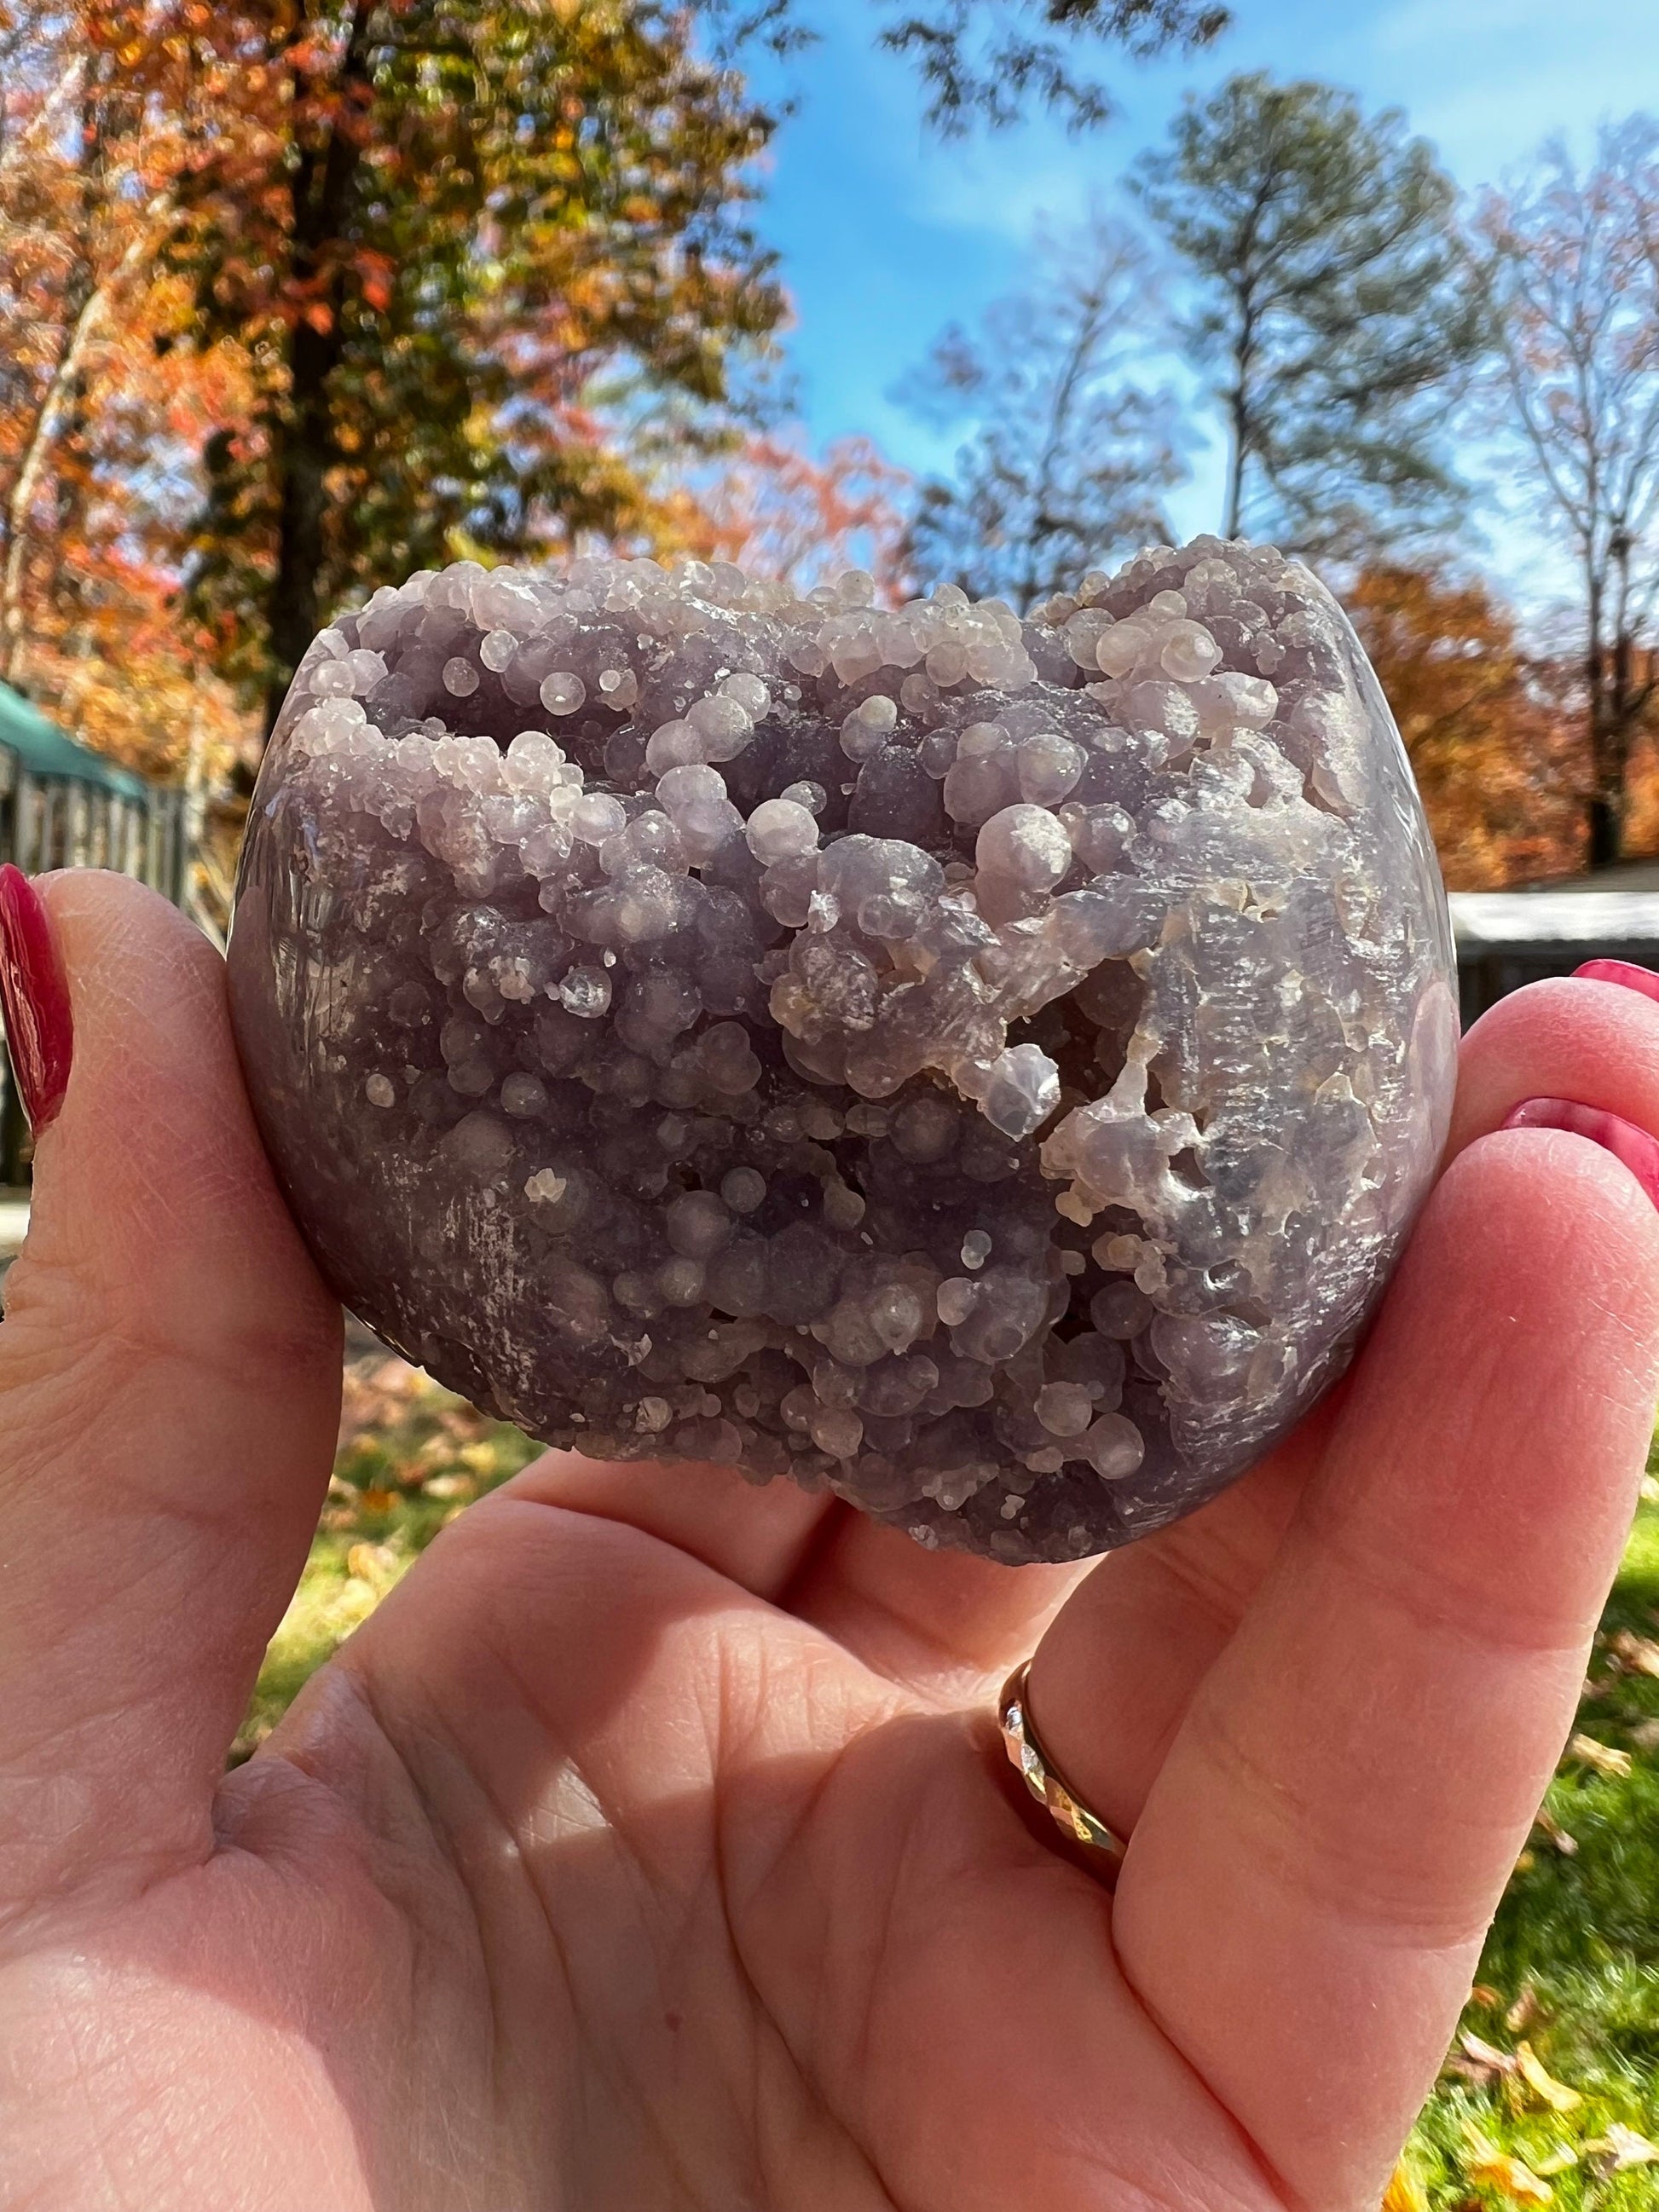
x: 778, y: 510
x: 297, y: 296
x: 99, y: 428
x: 1496, y: 753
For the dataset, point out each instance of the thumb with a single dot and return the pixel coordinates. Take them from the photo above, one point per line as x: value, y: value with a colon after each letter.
x: 169, y: 1384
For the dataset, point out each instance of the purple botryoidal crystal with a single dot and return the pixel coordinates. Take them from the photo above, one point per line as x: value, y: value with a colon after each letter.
x: 983, y: 1067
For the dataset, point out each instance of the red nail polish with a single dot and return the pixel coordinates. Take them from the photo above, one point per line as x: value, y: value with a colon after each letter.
x: 1638, y: 1151
x: 33, y: 999
x: 1621, y: 971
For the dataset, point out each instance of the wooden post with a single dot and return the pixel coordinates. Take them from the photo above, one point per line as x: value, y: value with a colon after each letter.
x: 26, y: 811
x: 78, y: 836
x: 13, y: 815
x: 20, y: 849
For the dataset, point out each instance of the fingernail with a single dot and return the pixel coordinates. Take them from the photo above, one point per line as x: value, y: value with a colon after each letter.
x: 1638, y: 1151
x: 33, y: 999
x: 1621, y: 971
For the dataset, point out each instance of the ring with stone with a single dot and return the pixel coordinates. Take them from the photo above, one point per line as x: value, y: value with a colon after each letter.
x: 1047, y: 1785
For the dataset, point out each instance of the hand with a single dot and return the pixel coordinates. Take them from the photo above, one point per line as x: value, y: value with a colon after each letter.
x: 651, y: 1847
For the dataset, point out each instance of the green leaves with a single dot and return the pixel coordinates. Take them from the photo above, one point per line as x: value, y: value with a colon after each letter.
x: 987, y: 63
x: 434, y: 224
x: 1331, y: 295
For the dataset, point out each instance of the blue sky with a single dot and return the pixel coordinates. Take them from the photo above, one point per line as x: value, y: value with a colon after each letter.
x: 887, y: 235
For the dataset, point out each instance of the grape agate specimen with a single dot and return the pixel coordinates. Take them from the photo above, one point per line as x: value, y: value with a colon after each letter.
x: 983, y: 1067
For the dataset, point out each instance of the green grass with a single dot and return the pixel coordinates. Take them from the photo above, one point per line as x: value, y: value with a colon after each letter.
x: 1570, y: 1970
x: 411, y: 1456
x: 1569, y: 1985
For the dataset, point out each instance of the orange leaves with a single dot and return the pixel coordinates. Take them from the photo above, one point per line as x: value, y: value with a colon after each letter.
x: 778, y: 511
x: 100, y: 418
x: 1507, y: 2177
x: 375, y: 272
x: 1404, y: 2193
x: 1513, y: 2180
x: 1495, y: 759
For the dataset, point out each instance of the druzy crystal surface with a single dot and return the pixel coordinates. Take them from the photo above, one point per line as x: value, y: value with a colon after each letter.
x: 981, y: 1067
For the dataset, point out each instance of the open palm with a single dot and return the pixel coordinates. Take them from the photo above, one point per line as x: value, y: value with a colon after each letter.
x: 651, y: 1847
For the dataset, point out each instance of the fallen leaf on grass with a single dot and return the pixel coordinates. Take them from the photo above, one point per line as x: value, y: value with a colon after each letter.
x: 1405, y: 2193
x: 1567, y: 1844
x: 1637, y: 1655
x: 374, y: 1394
x: 1558, y: 2161
x: 1645, y: 1735
x: 1522, y: 2013
x: 1488, y: 2167
x: 1542, y: 2083
x: 1480, y: 2062
x: 1620, y: 2149
x: 1601, y: 1756
x: 370, y: 1563
x: 449, y: 1486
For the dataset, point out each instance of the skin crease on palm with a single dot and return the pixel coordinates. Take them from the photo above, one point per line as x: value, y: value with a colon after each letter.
x: 650, y: 1847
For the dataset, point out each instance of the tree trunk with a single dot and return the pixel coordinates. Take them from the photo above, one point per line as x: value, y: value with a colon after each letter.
x: 1606, y: 829
x: 1614, y: 708
x: 303, y: 449
x: 1234, y: 519
x: 56, y: 401
x: 304, y: 455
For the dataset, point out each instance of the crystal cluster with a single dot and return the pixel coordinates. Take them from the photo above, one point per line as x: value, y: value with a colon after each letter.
x: 983, y: 1067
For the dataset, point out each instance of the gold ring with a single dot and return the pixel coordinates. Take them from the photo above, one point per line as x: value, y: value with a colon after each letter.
x: 1045, y: 1784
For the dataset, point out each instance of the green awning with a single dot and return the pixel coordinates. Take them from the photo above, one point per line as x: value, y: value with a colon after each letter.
x: 42, y: 749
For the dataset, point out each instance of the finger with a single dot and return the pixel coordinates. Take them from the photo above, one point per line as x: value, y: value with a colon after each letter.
x: 1311, y: 1876
x: 1119, y: 1663
x: 169, y: 1393
x: 943, y: 1623
x: 1583, y: 1037
x: 758, y: 1535
x: 1130, y: 1648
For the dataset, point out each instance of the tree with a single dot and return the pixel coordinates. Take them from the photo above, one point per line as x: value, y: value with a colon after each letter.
x: 1575, y: 270
x: 986, y: 61
x: 436, y: 258
x: 98, y: 430
x: 437, y: 221
x: 1495, y: 757
x: 778, y: 510
x: 1069, y: 455
x: 431, y: 223
x: 1333, y: 298
x: 982, y: 60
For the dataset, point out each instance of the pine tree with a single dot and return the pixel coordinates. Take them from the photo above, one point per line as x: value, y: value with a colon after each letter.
x: 1334, y: 300
x: 433, y: 267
